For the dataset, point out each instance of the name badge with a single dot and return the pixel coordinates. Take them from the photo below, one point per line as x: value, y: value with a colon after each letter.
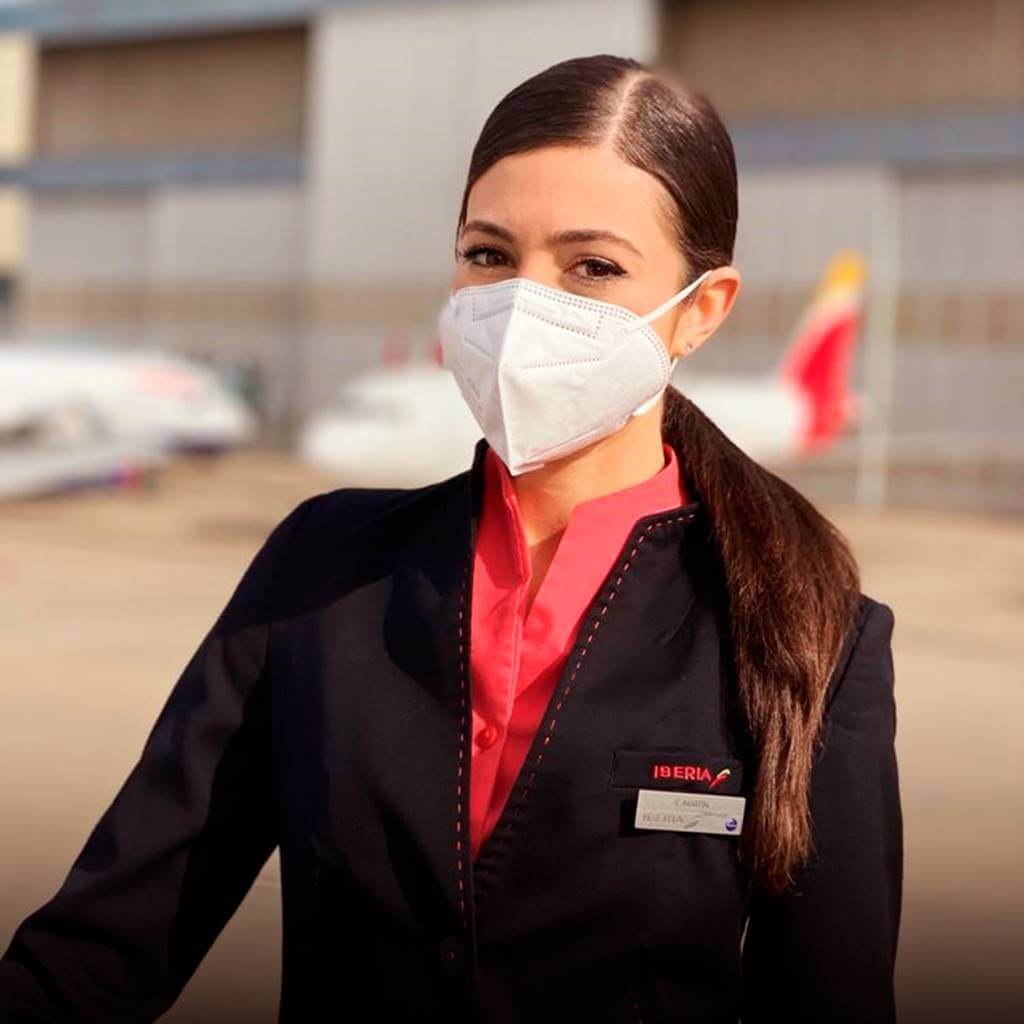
x: 689, y: 812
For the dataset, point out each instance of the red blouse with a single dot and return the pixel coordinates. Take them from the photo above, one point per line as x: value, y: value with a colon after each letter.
x: 516, y: 658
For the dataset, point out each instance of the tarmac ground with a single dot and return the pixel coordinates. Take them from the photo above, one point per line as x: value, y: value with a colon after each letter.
x: 104, y: 596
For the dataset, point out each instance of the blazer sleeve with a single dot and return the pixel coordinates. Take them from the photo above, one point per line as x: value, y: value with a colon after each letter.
x: 826, y: 950
x: 172, y: 857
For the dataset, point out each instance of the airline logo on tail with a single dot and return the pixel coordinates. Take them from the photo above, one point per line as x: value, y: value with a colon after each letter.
x: 816, y: 364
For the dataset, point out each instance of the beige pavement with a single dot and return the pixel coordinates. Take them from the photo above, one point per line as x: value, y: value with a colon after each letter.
x: 103, y: 597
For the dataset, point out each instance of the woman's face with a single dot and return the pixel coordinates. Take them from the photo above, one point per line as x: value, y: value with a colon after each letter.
x: 584, y: 220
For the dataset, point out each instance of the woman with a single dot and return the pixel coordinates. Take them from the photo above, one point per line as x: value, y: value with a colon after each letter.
x: 599, y: 729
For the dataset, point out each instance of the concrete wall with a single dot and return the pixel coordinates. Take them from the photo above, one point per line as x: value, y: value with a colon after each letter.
x: 398, y: 94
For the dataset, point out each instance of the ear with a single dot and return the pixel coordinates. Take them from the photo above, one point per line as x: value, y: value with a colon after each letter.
x: 702, y: 313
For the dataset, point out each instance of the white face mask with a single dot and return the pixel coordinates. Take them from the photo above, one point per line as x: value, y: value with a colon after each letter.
x: 546, y: 372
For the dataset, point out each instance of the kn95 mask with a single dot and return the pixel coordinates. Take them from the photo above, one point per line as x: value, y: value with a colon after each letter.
x: 546, y: 372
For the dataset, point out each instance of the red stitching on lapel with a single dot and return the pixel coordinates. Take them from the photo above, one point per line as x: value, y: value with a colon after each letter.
x: 583, y: 651
x: 460, y: 839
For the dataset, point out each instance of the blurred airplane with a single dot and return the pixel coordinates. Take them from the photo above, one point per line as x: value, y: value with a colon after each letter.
x: 408, y: 425
x: 73, y: 416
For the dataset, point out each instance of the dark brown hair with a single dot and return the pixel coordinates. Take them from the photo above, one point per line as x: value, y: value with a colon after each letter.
x: 791, y: 581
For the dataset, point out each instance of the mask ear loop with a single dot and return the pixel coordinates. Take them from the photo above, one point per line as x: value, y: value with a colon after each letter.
x: 670, y: 302
x: 652, y: 316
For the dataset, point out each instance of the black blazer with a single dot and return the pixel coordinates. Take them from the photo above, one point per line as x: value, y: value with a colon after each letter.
x: 327, y: 712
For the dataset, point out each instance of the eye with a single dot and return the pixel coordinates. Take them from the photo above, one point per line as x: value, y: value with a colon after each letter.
x: 469, y: 255
x: 602, y: 268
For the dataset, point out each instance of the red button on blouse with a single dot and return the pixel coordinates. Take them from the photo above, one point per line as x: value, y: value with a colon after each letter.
x: 517, y: 655
x: 487, y: 736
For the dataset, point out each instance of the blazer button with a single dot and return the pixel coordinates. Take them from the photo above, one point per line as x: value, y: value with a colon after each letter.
x: 453, y: 954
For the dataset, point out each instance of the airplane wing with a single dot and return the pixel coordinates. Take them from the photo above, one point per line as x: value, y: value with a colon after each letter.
x: 34, y: 470
x: 46, y: 448
x: 20, y: 412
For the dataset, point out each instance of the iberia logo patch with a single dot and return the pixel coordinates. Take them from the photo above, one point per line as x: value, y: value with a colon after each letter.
x: 683, y: 770
x: 688, y: 772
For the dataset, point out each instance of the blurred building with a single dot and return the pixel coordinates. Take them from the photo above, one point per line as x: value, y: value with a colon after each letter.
x: 274, y: 178
x: 896, y: 128
x: 278, y: 180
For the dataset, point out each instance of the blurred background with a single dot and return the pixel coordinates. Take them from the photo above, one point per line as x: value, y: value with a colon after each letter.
x: 226, y: 230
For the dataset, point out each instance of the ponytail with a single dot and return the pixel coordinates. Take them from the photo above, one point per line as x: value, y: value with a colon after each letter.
x: 793, y: 586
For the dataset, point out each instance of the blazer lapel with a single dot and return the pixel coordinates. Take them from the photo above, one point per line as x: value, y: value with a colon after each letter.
x: 426, y: 634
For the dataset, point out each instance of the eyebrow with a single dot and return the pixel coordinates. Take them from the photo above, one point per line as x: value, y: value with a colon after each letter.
x: 558, y: 238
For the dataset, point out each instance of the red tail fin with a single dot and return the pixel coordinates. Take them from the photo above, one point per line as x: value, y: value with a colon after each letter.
x: 817, y: 361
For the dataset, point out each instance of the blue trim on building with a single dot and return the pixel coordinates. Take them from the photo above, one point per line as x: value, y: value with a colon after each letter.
x: 146, y: 170
x: 951, y: 140
x: 57, y: 21
x: 967, y: 137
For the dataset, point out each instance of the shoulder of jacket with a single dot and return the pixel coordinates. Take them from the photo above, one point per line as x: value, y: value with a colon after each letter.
x: 874, y: 619
x: 867, y: 644
x: 344, y: 512
x: 356, y: 507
